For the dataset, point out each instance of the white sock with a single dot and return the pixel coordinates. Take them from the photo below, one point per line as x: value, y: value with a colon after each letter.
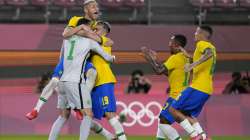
x: 46, y: 93
x: 56, y: 128
x: 169, y: 131
x: 185, y: 124
x: 85, y: 128
x: 100, y: 130
x: 160, y: 135
x: 40, y: 103
x: 118, y: 128
x: 199, y: 129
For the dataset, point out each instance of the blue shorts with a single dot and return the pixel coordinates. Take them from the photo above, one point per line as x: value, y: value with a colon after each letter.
x: 58, y: 71
x: 165, y: 111
x: 191, y: 101
x: 103, y: 100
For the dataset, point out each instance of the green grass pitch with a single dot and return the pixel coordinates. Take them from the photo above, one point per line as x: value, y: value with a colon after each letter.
x: 69, y: 137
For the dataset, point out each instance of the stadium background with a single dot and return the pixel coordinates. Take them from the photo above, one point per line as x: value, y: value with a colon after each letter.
x: 30, y: 34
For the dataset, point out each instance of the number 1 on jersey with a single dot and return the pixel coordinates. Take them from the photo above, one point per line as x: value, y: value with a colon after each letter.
x: 72, y: 46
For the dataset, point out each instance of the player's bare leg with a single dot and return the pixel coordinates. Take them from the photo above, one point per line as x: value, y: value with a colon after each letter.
x: 117, y: 126
x: 91, y: 75
x: 165, y: 129
x: 45, y: 95
x: 58, y: 124
x: 86, y: 123
x: 184, y: 123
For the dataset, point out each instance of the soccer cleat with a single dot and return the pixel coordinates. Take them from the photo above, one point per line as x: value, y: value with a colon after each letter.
x: 197, y: 138
x: 78, y: 114
x: 32, y: 115
x: 115, y: 139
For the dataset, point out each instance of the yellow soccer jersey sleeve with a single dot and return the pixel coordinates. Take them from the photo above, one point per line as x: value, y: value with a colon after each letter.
x: 74, y: 21
x: 104, y: 72
x: 203, y: 73
x: 177, y: 77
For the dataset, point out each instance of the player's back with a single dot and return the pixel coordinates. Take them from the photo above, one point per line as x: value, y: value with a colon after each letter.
x: 75, y: 53
x: 105, y: 74
x: 203, y: 73
x: 177, y: 77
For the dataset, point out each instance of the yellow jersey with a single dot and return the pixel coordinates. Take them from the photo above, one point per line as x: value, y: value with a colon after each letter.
x: 203, y: 73
x: 177, y: 77
x: 73, y: 22
x: 104, y: 72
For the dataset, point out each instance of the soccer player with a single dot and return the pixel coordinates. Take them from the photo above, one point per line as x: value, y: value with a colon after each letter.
x: 103, y: 98
x: 91, y: 11
x: 191, y: 101
x: 91, y: 14
x: 48, y: 91
x: 178, y: 79
x: 73, y: 93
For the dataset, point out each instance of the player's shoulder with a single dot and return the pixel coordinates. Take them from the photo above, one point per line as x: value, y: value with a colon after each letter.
x: 177, y: 56
x: 204, y: 44
x: 75, y: 18
x: 171, y: 58
x: 73, y: 21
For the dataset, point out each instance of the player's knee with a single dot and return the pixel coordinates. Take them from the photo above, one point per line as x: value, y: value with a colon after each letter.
x: 172, y: 110
x: 54, y: 81
x: 88, y: 112
x: 65, y: 113
x: 110, y: 115
x: 163, y: 120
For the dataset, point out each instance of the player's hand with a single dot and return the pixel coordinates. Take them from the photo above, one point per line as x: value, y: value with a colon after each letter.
x: 153, y: 54
x: 149, y: 53
x: 144, y: 49
x: 188, y: 67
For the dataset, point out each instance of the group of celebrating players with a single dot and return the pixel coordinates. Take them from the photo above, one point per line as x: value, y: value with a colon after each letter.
x: 85, y: 82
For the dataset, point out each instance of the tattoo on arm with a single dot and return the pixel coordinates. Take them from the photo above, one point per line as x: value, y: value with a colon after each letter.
x: 207, y: 54
x: 157, y: 67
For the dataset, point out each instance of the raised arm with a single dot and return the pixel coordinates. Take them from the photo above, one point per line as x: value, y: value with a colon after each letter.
x: 208, y: 53
x: 96, y: 48
x: 81, y: 30
x: 151, y: 58
x: 90, y: 34
x: 70, y: 31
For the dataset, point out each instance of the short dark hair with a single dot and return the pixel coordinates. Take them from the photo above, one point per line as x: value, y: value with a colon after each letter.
x: 105, y: 25
x: 83, y: 21
x: 135, y: 72
x: 208, y: 29
x: 180, y: 40
x: 236, y: 74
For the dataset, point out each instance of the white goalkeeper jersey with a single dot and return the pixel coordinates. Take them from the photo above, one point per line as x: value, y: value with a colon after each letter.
x: 75, y: 51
